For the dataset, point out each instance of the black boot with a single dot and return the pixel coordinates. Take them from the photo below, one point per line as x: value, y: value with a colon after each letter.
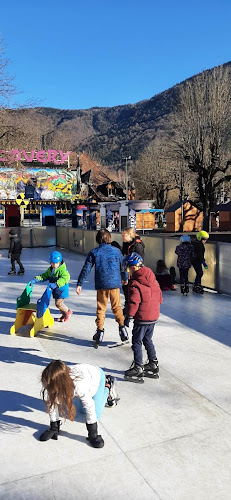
x: 12, y: 272
x: 51, y: 433
x: 95, y: 439
x: 21, y: 271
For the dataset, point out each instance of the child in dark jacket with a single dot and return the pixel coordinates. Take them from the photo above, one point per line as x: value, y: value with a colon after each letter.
x: 199, y: 259
x: 144, y: 299
x: 107, y: 260
x: 185, y: 256
x: 163, y: 276
x: 59, y: 277
x: 15, y: 251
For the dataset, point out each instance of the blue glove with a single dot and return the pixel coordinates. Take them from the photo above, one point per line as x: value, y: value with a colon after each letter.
x: 127, y: 320
x: 204, y: 264
x: 52, y: 286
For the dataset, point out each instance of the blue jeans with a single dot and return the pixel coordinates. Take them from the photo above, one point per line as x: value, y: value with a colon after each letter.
x: 142, y: 334
x: 100, y: 397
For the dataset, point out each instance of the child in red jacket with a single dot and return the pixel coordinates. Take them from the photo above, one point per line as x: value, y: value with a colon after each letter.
x: 144, y: 299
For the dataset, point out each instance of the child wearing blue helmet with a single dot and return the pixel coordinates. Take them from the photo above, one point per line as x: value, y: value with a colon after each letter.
x: 59, y: 277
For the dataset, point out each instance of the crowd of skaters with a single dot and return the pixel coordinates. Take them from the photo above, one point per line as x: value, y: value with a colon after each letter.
x: 115, y: 266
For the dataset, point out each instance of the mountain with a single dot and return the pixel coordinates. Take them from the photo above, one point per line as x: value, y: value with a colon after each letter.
x: 106, y: 134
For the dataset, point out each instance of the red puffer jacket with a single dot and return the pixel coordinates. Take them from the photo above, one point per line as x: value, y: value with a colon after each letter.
x: 144, y: 296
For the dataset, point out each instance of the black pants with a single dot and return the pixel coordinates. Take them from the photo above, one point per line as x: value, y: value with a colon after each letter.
x: 183, y: 276
x: 142, y: 334
x: 15, y: 257
x: 199, y: 271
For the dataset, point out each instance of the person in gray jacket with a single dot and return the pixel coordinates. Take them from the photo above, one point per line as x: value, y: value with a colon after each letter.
x: 15, y: 251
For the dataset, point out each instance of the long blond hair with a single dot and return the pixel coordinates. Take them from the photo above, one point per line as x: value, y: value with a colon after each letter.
x: 130, y: 230
x: 59, y: 387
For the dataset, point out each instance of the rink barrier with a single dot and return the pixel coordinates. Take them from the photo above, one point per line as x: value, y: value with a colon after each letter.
x: 218, y: 255
x: 81, y: 241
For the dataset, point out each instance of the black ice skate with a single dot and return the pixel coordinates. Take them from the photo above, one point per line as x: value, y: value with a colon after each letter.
x: 98, y: 337
x: 198, y: 289
x: 112, y: 396
x: 151, y: 369
x: 134, y: 374
x: 12, y: 272
x: 21, y: 271
x: 123, y: 333
x: 184, y: 289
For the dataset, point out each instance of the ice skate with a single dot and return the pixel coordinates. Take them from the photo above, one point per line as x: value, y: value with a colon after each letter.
x: 182, y: 289
x: 67, y: 315
x: 12, y: 272
x: 151, y: 369
x: 134, y: 374
x: 198, y: 289
x: 123, y: 333
x: 21, y: 271
x: 61, y: 319
x: 98, y: 337
x: 112, y: 396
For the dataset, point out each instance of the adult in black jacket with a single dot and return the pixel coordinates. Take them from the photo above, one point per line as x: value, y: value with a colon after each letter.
x: 131, y: 243
x: 15, y: 251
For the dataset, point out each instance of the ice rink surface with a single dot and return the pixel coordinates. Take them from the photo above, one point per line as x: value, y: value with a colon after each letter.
x: 166, y: 439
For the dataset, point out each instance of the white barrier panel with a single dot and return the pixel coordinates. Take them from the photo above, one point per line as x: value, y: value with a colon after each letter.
x: 224, y: 268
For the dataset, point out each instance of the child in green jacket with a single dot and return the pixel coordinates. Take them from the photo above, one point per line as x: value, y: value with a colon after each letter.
x: 59, y: 277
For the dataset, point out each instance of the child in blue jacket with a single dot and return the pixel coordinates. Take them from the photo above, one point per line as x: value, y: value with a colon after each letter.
x: 107, y: 260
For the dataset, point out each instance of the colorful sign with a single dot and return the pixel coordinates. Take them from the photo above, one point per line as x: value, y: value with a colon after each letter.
x: 38, y: 184
x: 50, y: 156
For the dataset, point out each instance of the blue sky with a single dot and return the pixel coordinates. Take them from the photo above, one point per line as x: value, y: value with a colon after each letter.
x: 78, y: 54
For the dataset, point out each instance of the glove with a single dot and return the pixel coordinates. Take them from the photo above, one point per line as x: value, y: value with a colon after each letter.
x: 127, y: 320
x: 93, y: 436
x: 38, y: 278
x: 52, y: 286
x: 204, y: 264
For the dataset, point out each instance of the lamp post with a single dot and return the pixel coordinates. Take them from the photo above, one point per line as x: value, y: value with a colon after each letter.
x: 126, y: 158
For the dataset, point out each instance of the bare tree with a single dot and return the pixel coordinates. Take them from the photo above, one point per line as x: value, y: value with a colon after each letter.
x: 201, y: 122
x: 154, y: 174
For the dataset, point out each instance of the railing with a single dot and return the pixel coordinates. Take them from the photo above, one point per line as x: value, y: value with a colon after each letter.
x: 218, y: 254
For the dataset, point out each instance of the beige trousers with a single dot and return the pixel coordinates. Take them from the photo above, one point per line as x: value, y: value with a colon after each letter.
x: 102, y: 300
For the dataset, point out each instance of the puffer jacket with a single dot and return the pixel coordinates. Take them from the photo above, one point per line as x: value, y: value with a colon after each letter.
x: 199, y: 251
x: 144, y: 296
x: 107, y: 260
x: 136, y: 245
x: 61, y: 277
x: 185, y: 254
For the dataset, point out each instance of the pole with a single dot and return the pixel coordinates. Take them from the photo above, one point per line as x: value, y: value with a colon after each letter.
x: 181, y: 198
x: 126, y: 158
x: 126, y: 177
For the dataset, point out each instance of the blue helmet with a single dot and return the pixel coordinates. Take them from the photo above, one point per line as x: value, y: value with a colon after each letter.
x: 133, y: 259
x: 185, y: 238
x: 55, y: 257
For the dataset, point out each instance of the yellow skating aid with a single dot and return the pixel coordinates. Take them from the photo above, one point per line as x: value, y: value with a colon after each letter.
x: 37, y: 315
